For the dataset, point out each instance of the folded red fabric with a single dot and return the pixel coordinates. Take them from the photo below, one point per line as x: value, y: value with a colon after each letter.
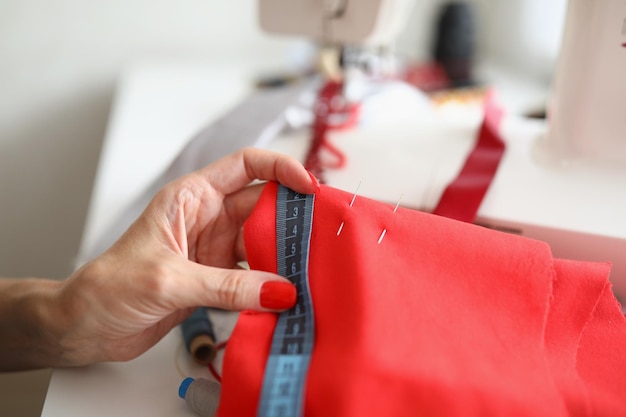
x: 441, y: 318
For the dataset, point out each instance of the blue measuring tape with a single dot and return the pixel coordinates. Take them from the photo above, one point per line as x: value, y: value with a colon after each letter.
x: 282, y: 394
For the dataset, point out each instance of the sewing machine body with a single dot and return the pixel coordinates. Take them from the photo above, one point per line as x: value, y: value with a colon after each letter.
x: 336, y: 22
x: 588, y: 109
x: 563, y: 183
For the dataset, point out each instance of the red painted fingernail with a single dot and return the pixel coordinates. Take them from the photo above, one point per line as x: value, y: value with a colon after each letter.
x: 315, y: 181
x: 278, y: 295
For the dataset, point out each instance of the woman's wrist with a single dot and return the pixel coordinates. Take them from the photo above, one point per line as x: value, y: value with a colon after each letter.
x: 30, y: 324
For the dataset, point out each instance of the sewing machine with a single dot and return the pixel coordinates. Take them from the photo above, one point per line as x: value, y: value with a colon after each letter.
x: 560, y: 182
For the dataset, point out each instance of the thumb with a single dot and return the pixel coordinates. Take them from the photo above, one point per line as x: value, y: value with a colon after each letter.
x: 237, y: 289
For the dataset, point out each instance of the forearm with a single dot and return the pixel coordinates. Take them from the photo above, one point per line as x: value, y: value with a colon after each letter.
x: 29, y: 337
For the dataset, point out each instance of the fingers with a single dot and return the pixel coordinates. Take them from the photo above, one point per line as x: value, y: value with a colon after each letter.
x: 237, y: 170
x: 240, y: 205
x: 233, y: 289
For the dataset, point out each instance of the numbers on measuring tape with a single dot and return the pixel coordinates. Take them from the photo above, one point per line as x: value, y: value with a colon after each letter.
x: 282, y: 393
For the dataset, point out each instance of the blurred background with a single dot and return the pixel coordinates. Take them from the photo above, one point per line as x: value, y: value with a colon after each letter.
x: 59, y: 63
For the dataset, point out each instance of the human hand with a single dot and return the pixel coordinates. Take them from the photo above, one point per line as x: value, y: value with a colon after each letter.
x: 180, y: 253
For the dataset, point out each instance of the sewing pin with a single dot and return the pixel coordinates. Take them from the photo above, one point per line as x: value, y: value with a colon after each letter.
x: 382, y: 235
x: 398, y: 203
x: 351, y: 204
x: 356, y: 192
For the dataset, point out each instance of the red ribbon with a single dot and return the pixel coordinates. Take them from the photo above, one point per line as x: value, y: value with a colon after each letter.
x: 463, y: 196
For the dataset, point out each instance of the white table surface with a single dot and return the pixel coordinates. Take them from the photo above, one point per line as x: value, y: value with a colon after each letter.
x: 158, y: 109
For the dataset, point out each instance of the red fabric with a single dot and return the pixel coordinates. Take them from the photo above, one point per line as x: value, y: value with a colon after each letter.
x: 442, y: 318
x: 461, y: 199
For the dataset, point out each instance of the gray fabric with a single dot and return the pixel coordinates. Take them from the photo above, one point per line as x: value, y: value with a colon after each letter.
x: 254, y: 122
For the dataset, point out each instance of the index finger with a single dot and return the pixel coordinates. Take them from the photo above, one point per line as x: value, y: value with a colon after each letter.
x: 237, y: 170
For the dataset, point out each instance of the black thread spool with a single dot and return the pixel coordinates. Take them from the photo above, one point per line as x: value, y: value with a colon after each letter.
x: 455, y: 42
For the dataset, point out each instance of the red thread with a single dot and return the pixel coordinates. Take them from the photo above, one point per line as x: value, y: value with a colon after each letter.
x: 216, y: 375
x: 332, y: 112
